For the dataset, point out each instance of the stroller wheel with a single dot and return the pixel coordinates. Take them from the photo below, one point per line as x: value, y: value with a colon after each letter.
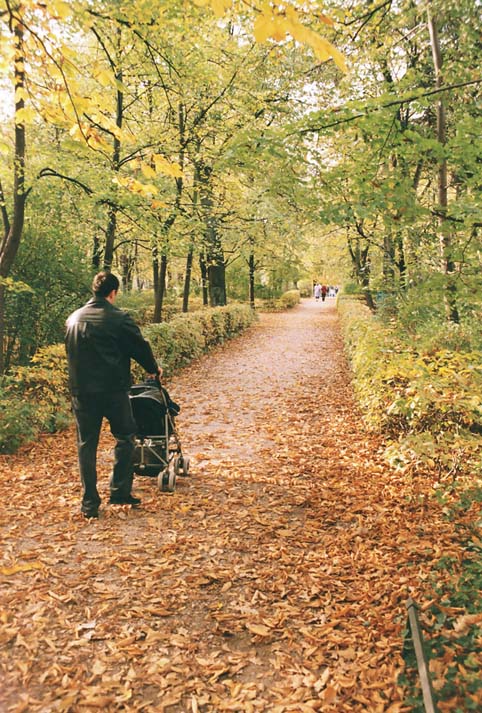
x: 177, y: 464
x: 185, y: 466
x: 181, y: 466
x: 167, y: 480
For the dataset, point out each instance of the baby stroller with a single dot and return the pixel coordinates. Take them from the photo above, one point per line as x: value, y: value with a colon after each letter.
x: 158, y: 450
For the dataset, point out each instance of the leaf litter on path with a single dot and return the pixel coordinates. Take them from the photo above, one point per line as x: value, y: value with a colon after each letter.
x: 273, y: 579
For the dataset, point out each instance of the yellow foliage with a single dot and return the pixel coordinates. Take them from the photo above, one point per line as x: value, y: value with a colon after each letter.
x: 326, y: 20
x: 279, y: 28
x: 135, y: 186
x: 220, y: 6
x: 262, y: 28
x: 147, y: 170
x: 60, y: 9
x: 270, y: 25
x: 23, y: 115
x: 105, y: 78
x: 167, y: 168
x: 158, y: 204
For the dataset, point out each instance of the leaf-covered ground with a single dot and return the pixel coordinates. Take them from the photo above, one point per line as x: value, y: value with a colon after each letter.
x: 274, y: 579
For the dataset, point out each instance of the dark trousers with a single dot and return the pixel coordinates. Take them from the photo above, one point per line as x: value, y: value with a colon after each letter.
x: 89, y: 411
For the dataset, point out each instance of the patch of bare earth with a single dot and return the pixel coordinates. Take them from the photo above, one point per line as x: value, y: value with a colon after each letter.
x: 274, y: 579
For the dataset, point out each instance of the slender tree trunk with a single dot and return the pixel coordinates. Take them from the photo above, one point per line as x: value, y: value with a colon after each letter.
x: 162, y: 286
x: 251, y: 263
x: 2, y: 327
x: 187, y: 280
x: 204, y: 278
x: 110, y: 238
x: 190, y: 255
x: 13, y: 230
x: 401, y: 262
x: 445, y: 237
x: 388, y: 261
x: 112, y: 215
x: 96, y: 253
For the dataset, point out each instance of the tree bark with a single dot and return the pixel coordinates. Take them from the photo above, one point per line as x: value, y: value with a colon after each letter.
x: 445, y: 238
x: 251, y: 263
x: 112, y: 214
x: 217, y: 284
x: 187, y: 280
x: 216, y: 268
x: 13, y: 230
x: 204, y: 278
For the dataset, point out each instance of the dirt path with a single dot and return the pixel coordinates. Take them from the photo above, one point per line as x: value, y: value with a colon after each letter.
x: 274, y: 579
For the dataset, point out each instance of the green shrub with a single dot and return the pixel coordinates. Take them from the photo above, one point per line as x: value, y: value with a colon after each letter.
x: 286, y: 301
x: 35, y: 399
x: 427, y: 404
x: 139, y: 304
x: 187, y: 336
x: 16, y: 421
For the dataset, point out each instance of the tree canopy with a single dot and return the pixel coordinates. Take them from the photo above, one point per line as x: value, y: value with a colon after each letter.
x: 207, y: 144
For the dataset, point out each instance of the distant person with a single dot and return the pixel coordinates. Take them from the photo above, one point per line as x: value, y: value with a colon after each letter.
x: 100, y: 342
x: 317, y: 291
x: 324, y: 290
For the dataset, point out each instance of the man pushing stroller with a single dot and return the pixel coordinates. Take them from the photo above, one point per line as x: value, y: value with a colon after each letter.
x: 100, y: 342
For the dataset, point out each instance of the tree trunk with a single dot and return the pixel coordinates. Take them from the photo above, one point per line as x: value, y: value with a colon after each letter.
x: 159, y: 271
x: 190, y: 255
x: 251, y: 263
x: 2, y: 328
x: 216, y: 268
x: 361, y: 268
x: 204, y: 278
x: 401, y: 262
x: 388, y: 261
x: 187, y: 280
x: 217, y: 284
x: 445, y: 237
x: 112, y: 215
x: 96, y: 253
x: 13, y: 231
x: 110, y: 238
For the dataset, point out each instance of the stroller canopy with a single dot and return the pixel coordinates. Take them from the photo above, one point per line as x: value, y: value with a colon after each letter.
x: 150, y: 406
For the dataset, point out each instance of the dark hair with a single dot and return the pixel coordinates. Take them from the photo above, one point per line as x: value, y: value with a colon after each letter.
x: 104, y: 282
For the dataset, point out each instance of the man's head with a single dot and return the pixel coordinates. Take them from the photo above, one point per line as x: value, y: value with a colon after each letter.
x: 105, y: 284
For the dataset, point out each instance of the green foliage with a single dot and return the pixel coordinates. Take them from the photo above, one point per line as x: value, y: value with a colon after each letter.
x: 187, y: 336
x: 452, y: 624
x: 139, y: 304
x: 427, y: 403
x: 16, y: 421
x: 34, y: 398
x: 287, y: 300
x: 51, y: 278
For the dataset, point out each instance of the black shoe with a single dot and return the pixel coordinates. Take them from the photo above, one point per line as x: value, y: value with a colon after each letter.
x: 90, y: 513
x: 124, y: 500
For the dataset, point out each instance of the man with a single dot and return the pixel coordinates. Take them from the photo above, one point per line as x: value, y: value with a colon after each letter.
x: 100, y: 342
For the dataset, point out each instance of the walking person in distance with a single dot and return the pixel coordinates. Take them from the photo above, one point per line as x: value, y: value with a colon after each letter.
x: 100, y: 342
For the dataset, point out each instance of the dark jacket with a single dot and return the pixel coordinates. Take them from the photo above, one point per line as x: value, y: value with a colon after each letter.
x: 100, y: 342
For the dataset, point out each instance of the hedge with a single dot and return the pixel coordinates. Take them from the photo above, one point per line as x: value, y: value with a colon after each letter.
x: 426, y: 404
x: 35, y: 399
x: 286, y: 301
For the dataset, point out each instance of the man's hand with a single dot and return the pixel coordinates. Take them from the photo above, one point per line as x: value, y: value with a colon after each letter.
x: 158, y: 374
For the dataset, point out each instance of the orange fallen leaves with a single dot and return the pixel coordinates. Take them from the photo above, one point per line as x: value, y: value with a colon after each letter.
x: 274, y: 579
